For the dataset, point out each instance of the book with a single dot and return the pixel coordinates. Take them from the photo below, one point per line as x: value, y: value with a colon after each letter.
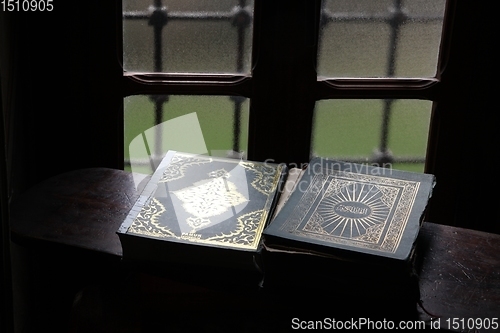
x: 347, y: 222
x: 202, y: 211
x: 292, y: 178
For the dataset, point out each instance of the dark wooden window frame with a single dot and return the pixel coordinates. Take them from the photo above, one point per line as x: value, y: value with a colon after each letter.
x: 283, y: 85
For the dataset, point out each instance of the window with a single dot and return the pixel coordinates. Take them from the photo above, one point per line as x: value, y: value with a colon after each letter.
x: 207, y: 42
x: 282, y: 81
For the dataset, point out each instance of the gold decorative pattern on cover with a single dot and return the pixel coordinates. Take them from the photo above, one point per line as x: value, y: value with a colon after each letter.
x: 179, y: 163
x: 357, y: 210
x: 146, y: 222
x: 209, y: 200
x: 265, y: 177
x: 248, y: 226
x: 242, y: 236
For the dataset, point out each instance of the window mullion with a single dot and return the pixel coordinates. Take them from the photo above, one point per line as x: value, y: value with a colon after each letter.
x: 284, y: 76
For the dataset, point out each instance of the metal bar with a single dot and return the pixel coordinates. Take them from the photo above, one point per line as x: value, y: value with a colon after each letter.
x: 329, y: 17
x: 236, y: 126
x: 384, y: 136
x: 397, y: 18
x: 206, y: 16
x: 241, y: 21
x: 136, y: 15
x: 182, y: 16
x: 158, y: 20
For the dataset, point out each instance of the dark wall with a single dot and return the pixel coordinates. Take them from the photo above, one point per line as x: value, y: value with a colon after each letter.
x: 61, y: 102
x: 63, y: 82
x: 465, y: 129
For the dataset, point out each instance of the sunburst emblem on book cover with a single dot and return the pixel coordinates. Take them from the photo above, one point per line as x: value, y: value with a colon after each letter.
x: 356, y: 210
x: 352, y: 211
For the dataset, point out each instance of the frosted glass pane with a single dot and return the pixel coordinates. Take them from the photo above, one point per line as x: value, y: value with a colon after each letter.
x: 378, y: 39
x: 193, y: 124
x: 352, y: 130
x: 195, y: 37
